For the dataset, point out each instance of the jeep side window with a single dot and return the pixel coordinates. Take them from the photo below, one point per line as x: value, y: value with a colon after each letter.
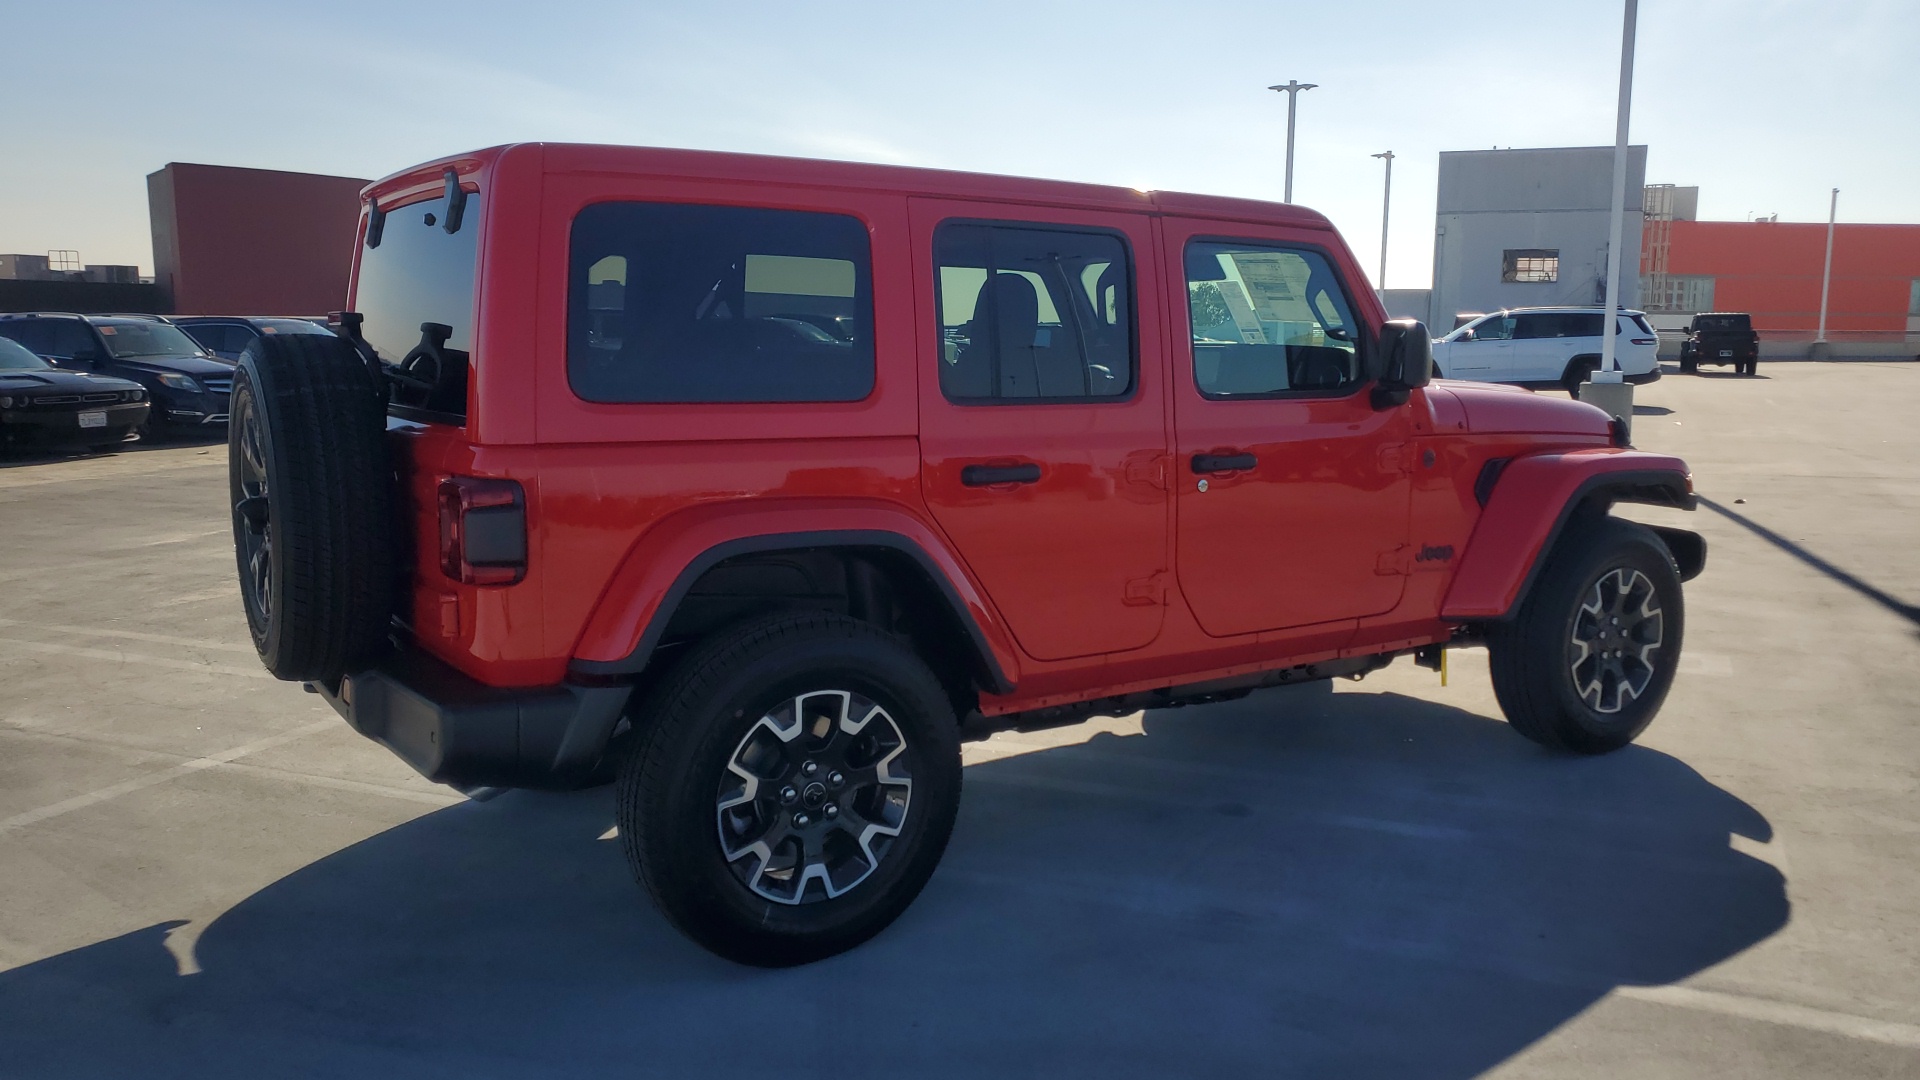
x: 680, y: 303
x: 1268, y: 320
x: 1032, y: 314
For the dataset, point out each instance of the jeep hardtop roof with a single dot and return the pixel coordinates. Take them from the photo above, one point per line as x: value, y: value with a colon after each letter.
x: 898, y: 179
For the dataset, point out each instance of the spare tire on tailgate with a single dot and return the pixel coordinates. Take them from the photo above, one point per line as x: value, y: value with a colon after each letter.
x: 313, y: 517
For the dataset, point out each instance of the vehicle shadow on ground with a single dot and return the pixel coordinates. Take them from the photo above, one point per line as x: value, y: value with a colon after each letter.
x: 23, y: 457
x: 1302, y: 883
x: 1652, y: 410
x: 1909, y: 612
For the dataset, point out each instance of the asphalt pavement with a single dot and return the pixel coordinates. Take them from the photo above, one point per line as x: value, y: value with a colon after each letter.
x: 204, y: 872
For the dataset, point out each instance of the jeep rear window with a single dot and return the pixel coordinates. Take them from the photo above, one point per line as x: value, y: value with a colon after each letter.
x: 419, y: 273
x: 675, y: 303
x: 1720, y: 322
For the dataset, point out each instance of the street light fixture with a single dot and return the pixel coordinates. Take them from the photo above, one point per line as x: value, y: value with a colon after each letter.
x: 1292, y: 88
x: 1386, y: 214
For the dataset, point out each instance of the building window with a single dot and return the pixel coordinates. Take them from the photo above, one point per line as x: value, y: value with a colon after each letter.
x: 1676, y: 292
x: 1530, y: 264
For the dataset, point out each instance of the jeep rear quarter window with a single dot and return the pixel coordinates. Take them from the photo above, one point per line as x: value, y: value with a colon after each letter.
x: 679, y: 303
x: 419, y: 273
x: 1268, y: 320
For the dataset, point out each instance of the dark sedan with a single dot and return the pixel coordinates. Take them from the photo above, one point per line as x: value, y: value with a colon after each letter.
x: 187, y: 387
x: 42, y: 406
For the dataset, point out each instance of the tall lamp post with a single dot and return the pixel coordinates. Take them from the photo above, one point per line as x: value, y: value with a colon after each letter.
x: 1386, y: 214
x: 1826, y: 275
x: 1292, y: 88
x: 1607, y: 388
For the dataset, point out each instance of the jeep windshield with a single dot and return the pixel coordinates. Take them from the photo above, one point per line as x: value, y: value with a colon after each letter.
x: 417, y: 273
x: 129, y: 339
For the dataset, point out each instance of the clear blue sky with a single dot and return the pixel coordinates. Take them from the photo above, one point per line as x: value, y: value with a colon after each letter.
x: 1765, y: 104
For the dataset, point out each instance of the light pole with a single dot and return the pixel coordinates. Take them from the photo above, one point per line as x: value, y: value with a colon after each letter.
x: 1826, y: 276
x: 1617, y: 214
x: 1292, y: 88
x: 1386, y: 214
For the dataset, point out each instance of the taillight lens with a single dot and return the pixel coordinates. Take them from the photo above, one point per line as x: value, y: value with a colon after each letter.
x: 483, y: 530
x: 1645, y: 341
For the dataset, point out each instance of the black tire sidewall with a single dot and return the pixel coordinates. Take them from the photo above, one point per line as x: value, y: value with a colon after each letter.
x: 1610, y: 546
x: 678, y: 846
x: 245, y: 401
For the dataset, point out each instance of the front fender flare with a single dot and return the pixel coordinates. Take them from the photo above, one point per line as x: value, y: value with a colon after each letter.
x: 664, y: 563
x: 1529, y: 506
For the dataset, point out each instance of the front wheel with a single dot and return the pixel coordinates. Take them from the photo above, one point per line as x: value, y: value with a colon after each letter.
x: 1590, y: 656
x: 791, y: 788
x: 1578, y: 372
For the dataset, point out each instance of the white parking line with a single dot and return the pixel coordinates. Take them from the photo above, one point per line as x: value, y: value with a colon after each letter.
x: 114, y: 791
x: 208, y: 668
x: 1743, y: 1007
x: 133, y: 635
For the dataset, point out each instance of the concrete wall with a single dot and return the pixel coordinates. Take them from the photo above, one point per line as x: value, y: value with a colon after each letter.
x: 252, y: 241
x: 1494, y: 200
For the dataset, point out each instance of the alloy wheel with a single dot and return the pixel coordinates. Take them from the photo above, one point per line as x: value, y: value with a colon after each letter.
x: 813, y: 797
x: 1615, y: 641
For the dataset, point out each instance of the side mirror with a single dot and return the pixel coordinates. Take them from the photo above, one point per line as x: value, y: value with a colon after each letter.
x: 1406, y: 362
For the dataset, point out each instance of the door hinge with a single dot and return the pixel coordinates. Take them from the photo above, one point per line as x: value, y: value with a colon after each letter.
x: 1397, y: 561
x: 1149, y: 591
x: 1148, y: 469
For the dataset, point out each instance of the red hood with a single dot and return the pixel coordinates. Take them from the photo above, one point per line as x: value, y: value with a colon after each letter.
x: 1496, y: 409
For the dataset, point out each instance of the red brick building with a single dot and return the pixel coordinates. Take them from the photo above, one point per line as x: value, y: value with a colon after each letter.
x: 1773, y: 270
x: 232, y: 241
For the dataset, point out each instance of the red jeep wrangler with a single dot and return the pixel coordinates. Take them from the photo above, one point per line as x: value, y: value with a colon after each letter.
x: 751, y: 480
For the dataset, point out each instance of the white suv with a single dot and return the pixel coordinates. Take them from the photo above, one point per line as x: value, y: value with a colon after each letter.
x: 1546, y: 347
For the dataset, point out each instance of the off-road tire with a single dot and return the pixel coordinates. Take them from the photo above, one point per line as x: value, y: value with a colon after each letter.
x: 306, y: 417
x: 1689, y: 366
x: 1531, y: 656
x: 690, y: 730
x: 1579, y: 369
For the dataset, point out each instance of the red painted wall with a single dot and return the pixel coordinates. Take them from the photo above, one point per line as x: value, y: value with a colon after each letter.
x: 1772, y: 270
x: 252, y: 241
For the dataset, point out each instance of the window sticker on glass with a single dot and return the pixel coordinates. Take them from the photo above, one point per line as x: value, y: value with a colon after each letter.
x: 1244, y: 319
x: 107, y: 330
x: 269, y: 330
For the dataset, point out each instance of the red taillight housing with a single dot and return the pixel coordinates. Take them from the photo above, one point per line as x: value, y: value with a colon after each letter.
x: 483, y: 530
x: 1644, y: 341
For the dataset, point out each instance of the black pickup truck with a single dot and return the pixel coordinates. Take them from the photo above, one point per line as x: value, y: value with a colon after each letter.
x: 1721, y: 337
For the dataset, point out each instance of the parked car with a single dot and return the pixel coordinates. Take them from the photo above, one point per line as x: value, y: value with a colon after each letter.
x: 748, y: 479
x: 1721, y: 337
x: 43, y: 406
x: 227, y: 336
x: 1546, y: 347
x: 186, y: 386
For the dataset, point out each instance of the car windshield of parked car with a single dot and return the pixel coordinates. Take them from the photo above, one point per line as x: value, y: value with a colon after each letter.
x: 290, y: 326
x: 17, y: 357
x: 132, y: 338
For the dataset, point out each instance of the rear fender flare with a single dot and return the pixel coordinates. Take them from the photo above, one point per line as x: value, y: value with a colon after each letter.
x: 1531, y: 502
x: 664, y: 563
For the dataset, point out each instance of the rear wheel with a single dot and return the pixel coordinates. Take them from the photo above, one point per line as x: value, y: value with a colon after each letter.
x: 311, y: 490
x: 791, y: 788
x: 1590, y: 656
x: 1579, y: 371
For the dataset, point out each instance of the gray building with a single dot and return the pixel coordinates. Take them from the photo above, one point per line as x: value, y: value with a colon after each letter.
x: 1518, y: 228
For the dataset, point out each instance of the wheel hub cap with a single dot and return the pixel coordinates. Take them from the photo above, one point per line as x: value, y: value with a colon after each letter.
x: 1616, y: 639
x: 813, y: 797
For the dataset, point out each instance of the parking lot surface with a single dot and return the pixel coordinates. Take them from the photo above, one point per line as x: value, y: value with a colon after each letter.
x: 203, y: 871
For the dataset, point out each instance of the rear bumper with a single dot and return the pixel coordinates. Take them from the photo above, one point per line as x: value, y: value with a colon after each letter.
x: 456, y: 731
x: 1645, y: 377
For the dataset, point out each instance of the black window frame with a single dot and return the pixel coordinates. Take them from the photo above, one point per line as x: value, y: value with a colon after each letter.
x: 1510, y: 265
x: 1133, y: 313
x: 865, y: 279
x: 1364, y: 338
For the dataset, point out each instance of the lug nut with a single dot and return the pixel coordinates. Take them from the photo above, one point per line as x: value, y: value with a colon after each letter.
x: 801, y: 821
x: 831, y: 810
x: 836, y: 779
x: 787, y: 794
x: 810, y: 768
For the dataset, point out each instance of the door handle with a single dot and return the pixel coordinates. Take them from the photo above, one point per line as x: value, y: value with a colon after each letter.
x: 990, y: 475
x: 1210, y: 463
